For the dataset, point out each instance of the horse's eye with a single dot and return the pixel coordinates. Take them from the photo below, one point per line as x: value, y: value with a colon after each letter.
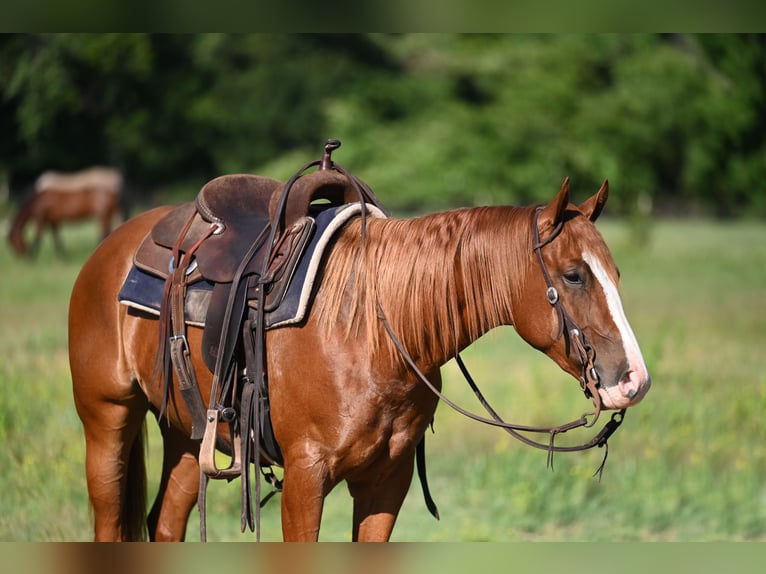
x: 573, y: 277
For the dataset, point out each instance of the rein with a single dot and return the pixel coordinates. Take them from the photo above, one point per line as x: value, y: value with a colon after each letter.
x: 588, y: 380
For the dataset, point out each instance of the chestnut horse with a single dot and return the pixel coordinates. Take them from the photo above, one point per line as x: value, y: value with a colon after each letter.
x: 59, y: 197
x: 345, y: 406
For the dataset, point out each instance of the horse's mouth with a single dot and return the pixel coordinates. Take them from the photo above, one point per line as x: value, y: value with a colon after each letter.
x: 628, y: 391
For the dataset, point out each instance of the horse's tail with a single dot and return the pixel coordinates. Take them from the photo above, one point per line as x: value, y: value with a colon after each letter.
x: 133, y: 517
x: 16, y: 233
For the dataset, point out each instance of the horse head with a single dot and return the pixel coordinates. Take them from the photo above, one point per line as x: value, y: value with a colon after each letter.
x: 570, y: 308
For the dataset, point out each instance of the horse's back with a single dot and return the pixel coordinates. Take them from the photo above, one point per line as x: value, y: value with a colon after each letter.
x: 104, y: 178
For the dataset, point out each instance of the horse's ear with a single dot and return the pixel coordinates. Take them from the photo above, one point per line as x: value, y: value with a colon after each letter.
x: 592, y: 207
x: 553, y: 213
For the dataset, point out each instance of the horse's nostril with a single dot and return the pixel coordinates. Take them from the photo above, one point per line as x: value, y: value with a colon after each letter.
x: 628, y: 385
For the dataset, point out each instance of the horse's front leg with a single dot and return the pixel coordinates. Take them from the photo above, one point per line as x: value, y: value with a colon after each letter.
x: 57, y: 243
x: 377, y: 501
x: 106, y: 224
x: 304, y: 487
x: 38, y: 238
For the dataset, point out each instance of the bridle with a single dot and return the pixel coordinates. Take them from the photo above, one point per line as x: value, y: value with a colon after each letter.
x: 589, y: 381
x: 589, y: 376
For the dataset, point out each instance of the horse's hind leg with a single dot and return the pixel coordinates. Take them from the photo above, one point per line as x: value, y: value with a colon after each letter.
x: 114, y: 465
x: 108, y: 352
x: 178, y: 488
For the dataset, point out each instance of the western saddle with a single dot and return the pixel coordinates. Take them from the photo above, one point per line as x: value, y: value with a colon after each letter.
x: 245, y: 235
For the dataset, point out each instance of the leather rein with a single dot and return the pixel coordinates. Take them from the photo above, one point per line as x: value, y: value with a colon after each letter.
x: 589, y: 380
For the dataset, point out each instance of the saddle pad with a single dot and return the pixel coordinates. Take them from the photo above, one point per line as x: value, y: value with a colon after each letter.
x: 143, y: 291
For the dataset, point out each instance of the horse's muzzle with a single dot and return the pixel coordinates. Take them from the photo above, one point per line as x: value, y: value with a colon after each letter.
x: 629, y: 390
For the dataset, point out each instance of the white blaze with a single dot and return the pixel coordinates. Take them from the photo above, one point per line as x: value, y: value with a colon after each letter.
x: 638, y: 371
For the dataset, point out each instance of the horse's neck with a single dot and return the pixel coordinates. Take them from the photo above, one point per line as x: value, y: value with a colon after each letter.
x: 455, y: 277
x: 494, y: 254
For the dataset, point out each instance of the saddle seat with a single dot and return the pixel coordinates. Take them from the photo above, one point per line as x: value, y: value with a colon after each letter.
x: 239, y: 206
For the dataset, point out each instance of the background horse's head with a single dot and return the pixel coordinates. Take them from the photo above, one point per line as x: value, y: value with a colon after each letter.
x: 585, y: 297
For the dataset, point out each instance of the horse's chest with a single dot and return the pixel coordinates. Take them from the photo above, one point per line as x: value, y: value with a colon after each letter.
x: 384, y: 426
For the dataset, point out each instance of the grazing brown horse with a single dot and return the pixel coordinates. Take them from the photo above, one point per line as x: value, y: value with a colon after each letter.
x: 60, y: 197
x: 345, y: 406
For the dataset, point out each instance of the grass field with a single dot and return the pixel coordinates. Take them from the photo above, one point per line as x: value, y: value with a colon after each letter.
x: 688, y: 464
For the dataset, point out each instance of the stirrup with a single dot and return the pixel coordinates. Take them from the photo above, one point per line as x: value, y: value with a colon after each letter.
x: 207, y: 451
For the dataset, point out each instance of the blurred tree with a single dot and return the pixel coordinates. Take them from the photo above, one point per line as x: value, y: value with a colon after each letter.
x: 503, y: 118
x: 677, y: 121
x: 61, y: 91
x: 267, y: 93
x: 727, y: 160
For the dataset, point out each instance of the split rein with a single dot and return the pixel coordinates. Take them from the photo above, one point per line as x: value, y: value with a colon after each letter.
x: 588, y: 380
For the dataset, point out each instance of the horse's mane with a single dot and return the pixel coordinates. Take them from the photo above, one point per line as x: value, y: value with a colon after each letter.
x: 450, y: 275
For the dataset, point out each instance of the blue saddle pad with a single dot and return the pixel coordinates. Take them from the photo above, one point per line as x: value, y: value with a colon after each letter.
x: 143, y: 291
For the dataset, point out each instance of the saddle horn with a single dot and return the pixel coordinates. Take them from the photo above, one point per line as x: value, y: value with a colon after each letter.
x: 330, y: 146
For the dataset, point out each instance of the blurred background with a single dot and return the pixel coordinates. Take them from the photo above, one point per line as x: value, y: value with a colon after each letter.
x: 675, y: 122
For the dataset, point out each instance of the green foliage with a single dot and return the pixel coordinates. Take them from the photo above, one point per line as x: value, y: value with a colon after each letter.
x: 674, y: 121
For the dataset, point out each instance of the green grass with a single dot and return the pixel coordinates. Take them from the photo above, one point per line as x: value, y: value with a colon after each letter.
x: 689, y: 463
